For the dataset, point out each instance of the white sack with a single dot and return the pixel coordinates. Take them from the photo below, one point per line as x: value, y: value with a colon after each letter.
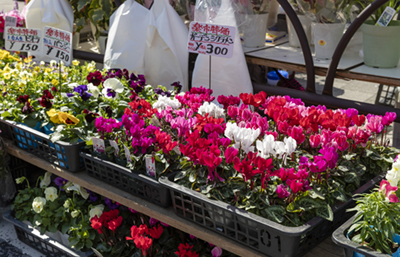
x: 54, y: 13
x: 127, y: 37
x: 166, y: 54
x: 229, y: 76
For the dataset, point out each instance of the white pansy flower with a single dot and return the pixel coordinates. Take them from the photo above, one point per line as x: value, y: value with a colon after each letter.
x: 164, y: 101
x: 112, y: 87
x: 46, y: 180
x: 212, y: 109
x: 80, y: 190
x: 73, y: 85
x: 38, y: 204
x: 66, y: 204
x: 96, y: 211
x: 74, y: 214
x: 53, y: 63
x: 51, y: 194
x: 94, y: 90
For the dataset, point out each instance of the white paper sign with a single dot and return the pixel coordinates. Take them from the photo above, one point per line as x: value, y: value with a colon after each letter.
x: 115, y: 145
x: 57, y: 44
x: 10, y: 21
x: 98, y: 145
x: 22, y: 39
x: 127, y: 154
x: 150, y: 165
x: 211, y: 39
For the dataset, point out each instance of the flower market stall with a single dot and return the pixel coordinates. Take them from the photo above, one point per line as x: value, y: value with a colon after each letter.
x: 151, y: 170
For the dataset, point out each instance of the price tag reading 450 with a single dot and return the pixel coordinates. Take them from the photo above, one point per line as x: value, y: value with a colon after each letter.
x: 22, y: 39
x: 211, y: 39
x: 57, y: 44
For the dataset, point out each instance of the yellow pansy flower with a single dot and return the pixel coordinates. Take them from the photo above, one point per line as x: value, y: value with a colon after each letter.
x: 68, y: 118
x: 7, y: 75
x: 75, y: 62
x: 53, y: 114
x: 54, y: 82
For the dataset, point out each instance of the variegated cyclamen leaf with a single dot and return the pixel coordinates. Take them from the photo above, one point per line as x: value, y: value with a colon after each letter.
x: 325, y: 211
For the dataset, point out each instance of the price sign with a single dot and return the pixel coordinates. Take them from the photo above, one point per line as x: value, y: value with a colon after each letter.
x: 150, y: 165
x: 22, y: 39
x: 10, y: 21
x: 57, y: 44
x: 211, y: 39
x: 98, y: 145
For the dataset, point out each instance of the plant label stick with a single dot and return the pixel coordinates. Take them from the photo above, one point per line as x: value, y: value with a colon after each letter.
x: 9, y: 22
x: 386, y: 17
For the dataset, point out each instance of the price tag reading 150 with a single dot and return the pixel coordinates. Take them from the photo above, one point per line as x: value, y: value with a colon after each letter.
x: 57, y: 44
x: 22, y: 39
x: 211, y: 39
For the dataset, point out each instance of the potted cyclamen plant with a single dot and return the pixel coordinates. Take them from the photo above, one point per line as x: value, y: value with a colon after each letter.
x: 375, y: 227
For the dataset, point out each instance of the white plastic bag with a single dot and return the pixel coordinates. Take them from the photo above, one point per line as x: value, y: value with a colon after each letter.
x: 54, y: 13
x: 166, y: 54
x: 229, y: 76
x: 126, y: 37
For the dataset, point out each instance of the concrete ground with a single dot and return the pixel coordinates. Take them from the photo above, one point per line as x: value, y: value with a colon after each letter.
x: 352, y: 90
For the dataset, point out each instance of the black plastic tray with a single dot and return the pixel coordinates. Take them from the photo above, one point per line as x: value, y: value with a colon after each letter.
x: 123, y: 178
x: 258, y: 233
x: 64, y: 155
x: 350, y: 247
x: 40, y: 242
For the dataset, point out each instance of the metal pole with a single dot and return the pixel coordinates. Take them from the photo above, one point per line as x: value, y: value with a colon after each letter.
x: 303, y: 43
x: 351, y: 30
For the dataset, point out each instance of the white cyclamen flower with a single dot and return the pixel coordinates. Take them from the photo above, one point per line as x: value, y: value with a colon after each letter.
x: 112, y: 87
x: 265, y: 147
x: 51, y: 194
x: 96, y: 211
x: 290, y: 145
x: 164, y: 101
x: 212, y: 109
x: 38, y: 204
x: 46, y: 180
x: 94, y: 90
x: 243, y: 137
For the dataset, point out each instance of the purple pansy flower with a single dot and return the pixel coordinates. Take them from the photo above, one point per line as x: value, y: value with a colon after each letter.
x: 111, y: 204
x: 60, y: 182
x: 82, y: 90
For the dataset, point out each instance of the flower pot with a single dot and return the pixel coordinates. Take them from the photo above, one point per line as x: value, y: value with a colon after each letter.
x: 255, y: 28
x: 381, y: 47
x: 326, y: 38
x: 352, y: 249
x: 256, y: 232
x: 293, y: 38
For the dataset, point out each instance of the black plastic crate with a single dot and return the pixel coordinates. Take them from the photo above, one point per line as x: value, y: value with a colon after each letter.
x: 350, y: 247
x: 64, y: 155
x: 263, y: 235
x: 385, y: 95
x: 40, y: 242
x: 5, y: 129
x: 137, y: 184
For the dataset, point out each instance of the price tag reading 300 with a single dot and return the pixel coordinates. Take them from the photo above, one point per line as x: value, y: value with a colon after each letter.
x: 22, y: 39
x: 211, y: 39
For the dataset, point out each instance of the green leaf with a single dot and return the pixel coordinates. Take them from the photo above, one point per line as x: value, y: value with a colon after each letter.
x: 82, y: 4
x: 339, y: 195
x: 52, y: 228
x: 343, y: 168
x: 65, y: 228
x: 352, y: 177
x: 106, y: 6
x: 325, y: 211
x: 96, y: 15
x: 276, y: 213
x: 98, y: 254
x: 180, y: 175
x: 73, y: 241
x: 89, y: 243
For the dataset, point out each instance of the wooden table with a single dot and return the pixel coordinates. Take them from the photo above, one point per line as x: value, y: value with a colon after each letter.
x: 166, y: 215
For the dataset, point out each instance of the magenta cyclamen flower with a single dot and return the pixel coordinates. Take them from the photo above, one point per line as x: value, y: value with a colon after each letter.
x: 374, y: 124
x: 330, y: 155
x: 230, y: 153
x: 104, y: 125
x: 315, y: 141
x: 388, y: 118
x: 282, y: 192
x: 216, y: 252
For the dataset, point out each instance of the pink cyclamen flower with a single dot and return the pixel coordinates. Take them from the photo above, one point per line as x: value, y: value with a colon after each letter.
x: 375, y: 124
x: 315, y: 140
x: 281, y: 191
x: 216, y: 252
x: 388, y: 118
x: 389, y: 191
